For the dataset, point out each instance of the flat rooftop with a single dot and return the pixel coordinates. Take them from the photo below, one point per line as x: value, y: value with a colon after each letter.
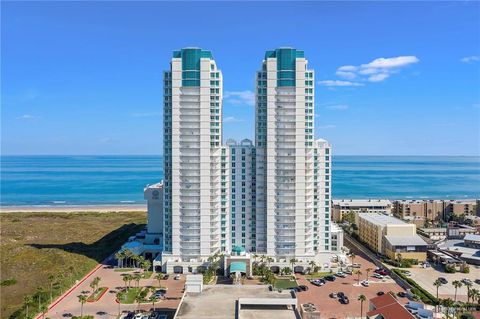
x: 362, y: 202
x: 220, y: 301
x: 406, y: 240
x: 381, y: 219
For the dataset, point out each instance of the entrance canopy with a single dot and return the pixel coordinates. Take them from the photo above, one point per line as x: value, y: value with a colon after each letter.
x: 239, y: 266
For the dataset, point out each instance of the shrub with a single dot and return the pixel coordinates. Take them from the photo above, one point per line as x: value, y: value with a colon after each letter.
x: 8, y: 282
x: 450, y: 269
x: 466, y: 269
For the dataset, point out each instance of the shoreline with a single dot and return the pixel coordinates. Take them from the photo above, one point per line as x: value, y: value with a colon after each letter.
x: 73, y: 208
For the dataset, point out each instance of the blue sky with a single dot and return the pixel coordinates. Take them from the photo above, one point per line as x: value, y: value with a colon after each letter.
x: 392, y: 78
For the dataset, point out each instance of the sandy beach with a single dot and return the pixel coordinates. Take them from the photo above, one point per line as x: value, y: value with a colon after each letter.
x: 73, y: 208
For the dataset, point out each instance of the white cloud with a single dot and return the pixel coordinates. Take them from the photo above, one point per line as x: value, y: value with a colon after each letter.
x: 468, y: 59
x: 240, y: 97
x: 348, y: 68
x: 377, y: 70
x: 326, y: 127
x: 339, y: 107
x: 27, y: 117
x: 378, y: 77
x: 346, y: 75
x: 389, y: 63
x: 339, y: 83
x: 231, y: 119
x: 146, y: 114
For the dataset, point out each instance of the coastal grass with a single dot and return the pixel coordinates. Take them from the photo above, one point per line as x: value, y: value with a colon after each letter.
x: 43, y: 254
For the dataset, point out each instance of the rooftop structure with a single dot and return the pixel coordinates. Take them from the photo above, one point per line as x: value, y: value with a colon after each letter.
x: 220, y: 302
x: 357, y: 206
x: 387, y: 307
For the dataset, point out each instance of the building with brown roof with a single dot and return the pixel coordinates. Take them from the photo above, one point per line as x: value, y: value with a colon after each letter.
x: 387, y: 307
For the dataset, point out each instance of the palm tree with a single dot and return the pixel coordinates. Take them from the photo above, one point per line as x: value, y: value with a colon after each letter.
x: 82, y: 299
x: 51, y: 279
x: 119, y: 296
x: 468, y: 285
x: 447, y: 303
x: 146, y: 264
x: 457, y: 284
x: 474, y: 293
x: 292, y: 262
x: 361, y: 298
x: 137, y: 278
x: 128, y: 255
x: 153, y: 298
x: 129, y: 279
x: 125, y: 280
x: 368, y: 270
x: 159, y: 277
x: 269, y: 260
x: 27, y: 301
x: 138, y: 299
x: 120, y: 256
x: 358, y: 273
x: 352, y: 256
x: 39, y: 297
x: 437, y: 283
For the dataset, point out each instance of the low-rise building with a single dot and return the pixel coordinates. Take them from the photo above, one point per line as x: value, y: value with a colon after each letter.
x: 387, y: 307
x: 434, y: 210
x: 343, y: 206
x: 438, y: 233
x: 388, y: 235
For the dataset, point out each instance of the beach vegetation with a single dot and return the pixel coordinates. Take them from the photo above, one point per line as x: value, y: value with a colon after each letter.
x: 52, y: 251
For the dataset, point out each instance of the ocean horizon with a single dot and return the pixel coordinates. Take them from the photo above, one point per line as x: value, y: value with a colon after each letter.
x: 61, y: 180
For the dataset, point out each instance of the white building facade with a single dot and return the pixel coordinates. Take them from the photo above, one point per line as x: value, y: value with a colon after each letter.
x: 196, y: 204
x: 271, y: 197
x: 292, y: 169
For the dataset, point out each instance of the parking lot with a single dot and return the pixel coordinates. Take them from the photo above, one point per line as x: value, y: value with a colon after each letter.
x: 427, y: 276
x: 331, y: 307
x: 107, y: 307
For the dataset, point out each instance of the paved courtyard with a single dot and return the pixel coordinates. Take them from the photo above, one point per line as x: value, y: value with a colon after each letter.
x: 107, y: 307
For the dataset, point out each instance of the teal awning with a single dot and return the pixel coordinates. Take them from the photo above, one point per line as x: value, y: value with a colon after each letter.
x: 238, y: 249
x: 239, y: 266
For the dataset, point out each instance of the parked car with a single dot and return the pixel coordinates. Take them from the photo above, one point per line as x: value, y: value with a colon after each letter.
x: 365, y: 283
x: 330, y: 278
x: 382, y: 272
x: 138, y: 316
x: 340, y: 294
x: 165, y: 277
x: 344, y: 300
x: 177, y: 277
x: 402, y: 294
x: 467, y: 281
x: 443, y: 280
x: 377, y: 275
x: 380, y: 293
x: 356, y: 265
x: 303, y: 287
x: 341, y: 274
x: 317, y: 282
x: 407, y: 273
x: 477, y: 281
x: 333, y: 295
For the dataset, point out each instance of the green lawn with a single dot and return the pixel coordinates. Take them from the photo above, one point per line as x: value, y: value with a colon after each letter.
x: 124, y: 269
x: 130, y: 295
x: 284, y: 283
x: 318, y: 275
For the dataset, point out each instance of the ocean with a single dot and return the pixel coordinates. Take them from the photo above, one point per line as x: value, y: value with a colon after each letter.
x: 117, y: 180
